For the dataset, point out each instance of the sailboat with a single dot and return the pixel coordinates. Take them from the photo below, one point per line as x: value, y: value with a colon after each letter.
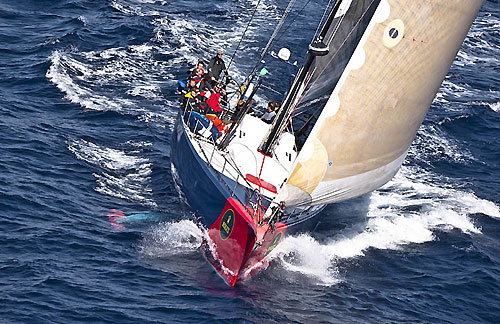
x: 344, y: 127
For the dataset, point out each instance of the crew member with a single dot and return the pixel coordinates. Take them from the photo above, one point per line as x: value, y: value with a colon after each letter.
x: 199, y: 66
x: 216, y: 66
x: 269, y: 116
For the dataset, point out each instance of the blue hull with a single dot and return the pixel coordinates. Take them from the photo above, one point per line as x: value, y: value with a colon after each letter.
x: 207, y: 191
x: 199, y: 183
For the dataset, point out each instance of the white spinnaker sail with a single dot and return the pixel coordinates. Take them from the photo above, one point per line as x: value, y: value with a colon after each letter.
x: 380, y: 99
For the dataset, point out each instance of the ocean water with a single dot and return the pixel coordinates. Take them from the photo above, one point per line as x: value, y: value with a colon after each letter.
x: 87, y: 106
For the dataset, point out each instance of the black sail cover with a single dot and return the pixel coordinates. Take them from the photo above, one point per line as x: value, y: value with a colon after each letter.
x: 342, y: 37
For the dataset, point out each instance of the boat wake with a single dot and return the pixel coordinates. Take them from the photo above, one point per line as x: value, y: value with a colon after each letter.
x: 171, y: 238
x: 408, y: 210
x: 411, y: 209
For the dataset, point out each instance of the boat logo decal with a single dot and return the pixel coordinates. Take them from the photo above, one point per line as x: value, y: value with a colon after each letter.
x: 274, y: 243
x: 393, y: 33
x: 226, y: 224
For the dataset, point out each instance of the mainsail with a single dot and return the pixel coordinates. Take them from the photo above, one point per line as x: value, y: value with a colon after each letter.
x: 370, y: 93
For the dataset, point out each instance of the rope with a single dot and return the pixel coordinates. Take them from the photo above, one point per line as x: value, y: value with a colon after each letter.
x: 271, y: 39
x: 243, y: 35
x: 293, y: 20
x: 322, y: 18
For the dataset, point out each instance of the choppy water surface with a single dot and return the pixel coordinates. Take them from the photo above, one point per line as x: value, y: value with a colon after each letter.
x: 87, y: 104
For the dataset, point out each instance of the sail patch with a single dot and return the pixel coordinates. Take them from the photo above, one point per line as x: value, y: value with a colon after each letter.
x: 331, y: 108
x: 309, y: 172
x: 393, y: 33
x: 383, y: 12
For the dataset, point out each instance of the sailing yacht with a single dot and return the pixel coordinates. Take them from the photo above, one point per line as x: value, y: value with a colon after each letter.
x: 343, y: 129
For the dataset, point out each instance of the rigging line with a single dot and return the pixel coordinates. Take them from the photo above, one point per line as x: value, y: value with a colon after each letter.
x: 271, y: 89
x: 333, y: 56
x: 271, y: 39
x: 243, y: 35
x: 337, y: 26
x: 278, y: 27
x: 318, y: 198
x: 294, y: 19
x: 322, y: 18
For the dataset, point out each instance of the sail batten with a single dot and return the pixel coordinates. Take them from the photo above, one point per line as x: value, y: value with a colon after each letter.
x: 399, y: 54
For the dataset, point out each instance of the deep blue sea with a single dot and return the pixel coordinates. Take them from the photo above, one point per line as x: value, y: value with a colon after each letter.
x: 87, y: 107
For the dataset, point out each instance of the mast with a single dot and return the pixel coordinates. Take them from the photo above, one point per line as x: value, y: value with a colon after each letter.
x: 317, y: 48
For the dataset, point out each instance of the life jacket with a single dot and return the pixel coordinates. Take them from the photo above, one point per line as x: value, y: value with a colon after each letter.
x: 197, y: 78
x: 213, y: 102
x: 217, y: 122
x: 195, y: 69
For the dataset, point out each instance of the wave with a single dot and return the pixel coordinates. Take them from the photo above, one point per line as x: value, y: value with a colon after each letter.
x: 121, y: 174
x: 432, y: 143
x: 136, y: 8
x: 171, y: 238
x: 65, y: 72
x: 408, y: 210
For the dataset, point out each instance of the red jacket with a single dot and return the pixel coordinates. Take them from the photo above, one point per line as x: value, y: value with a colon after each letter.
x: 213, y: 102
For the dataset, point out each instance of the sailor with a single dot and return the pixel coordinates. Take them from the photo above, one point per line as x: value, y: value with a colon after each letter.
x: 198, y: 75
x: 190, y: 86
x: 190, y: 99
x: 205, y: 85
x: 200, y: 80
x: 216, y: 66
x: 197, y: 101
x: 213, y: 100
x: 187, y: 89
x: 269, y: 116
x: 193, y: 71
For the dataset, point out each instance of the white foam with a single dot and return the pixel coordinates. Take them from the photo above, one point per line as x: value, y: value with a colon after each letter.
x: 408, y: 210
x: 137, y: 7
x: 161, y: 120
x: 108, y: 158
x: 431, y: 143
x: 171, y: 238
x: 127, y: 9
x: 125, y: 175
x: 83, y: 20
x: 146, y: 91
x: 64, y: 73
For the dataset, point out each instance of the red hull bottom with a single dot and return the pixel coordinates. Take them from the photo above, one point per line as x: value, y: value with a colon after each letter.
x: 237, y: 243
